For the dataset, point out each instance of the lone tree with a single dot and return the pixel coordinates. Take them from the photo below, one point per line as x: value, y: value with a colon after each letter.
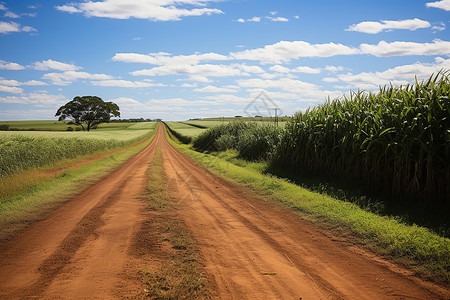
x: 88, y: 111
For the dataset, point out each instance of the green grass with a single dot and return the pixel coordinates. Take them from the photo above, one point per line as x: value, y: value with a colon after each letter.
x: 179, y: 275
x: 34, y: 203
x: 36, y: 125
x: 418, y: 248
x: 185, y: 129
x: 36, y: 149
x: 110, y: 131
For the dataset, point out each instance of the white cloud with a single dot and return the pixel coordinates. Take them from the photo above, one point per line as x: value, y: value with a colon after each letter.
x: 443, y: 4
x: 278, y: 19
x: 385, y: 49
x: 285, y: 51
x: 273, y: 13
x: 385, y: 25
x: 399, y: 75
x: 4, y: 65
x: 10, y: 14
x: 10, y: 89
x: 330, y: 79
x: 126, y: 83
x: 8, y: 82
x: 153, y: 10
x: 37, y: 98
x: 214, y: 89
x: 306, y: 70
x: 279, y: 69
x: 189, y: 85
x: 27, y: 114
x: 28, y: 29
x: 301, y: 88
x: 439, y: 27
x: 67, y: 77
x: 334, y: 68
x: 3, y: 7
x: 205, y: 70
x: 254, y: 19
x: 8, y: 27
x: 53, y: 65
x: 163, y: 58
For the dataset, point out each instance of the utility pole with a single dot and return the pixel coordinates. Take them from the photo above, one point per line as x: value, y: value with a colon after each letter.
x: 276, y: 115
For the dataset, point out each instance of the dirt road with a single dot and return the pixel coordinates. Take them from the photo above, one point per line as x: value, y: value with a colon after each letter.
x: 250, y: 249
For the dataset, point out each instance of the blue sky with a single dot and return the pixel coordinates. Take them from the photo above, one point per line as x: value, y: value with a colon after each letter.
x: 184, y: 59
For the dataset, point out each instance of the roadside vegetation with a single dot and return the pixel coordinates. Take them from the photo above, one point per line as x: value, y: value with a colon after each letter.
x: 178, y: 274
x: 396, y: 141
x: 393, y: 147
x: 253, y: 141
x: 39, y: 174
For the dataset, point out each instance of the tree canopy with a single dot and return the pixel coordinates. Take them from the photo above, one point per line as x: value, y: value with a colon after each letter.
x: 88, y: 111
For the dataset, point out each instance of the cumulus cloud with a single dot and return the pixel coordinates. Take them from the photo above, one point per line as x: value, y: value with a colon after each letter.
x: 202, y: 70
x: 4, y: 65
x: 53, y: 65
x: 163, y: 58
x: 254, y: 19
x: 153, y: 10
x: 8, y: 27
x: 443, y: 4
x: 10, y: 14
x: 9, y: 82
x: 215, y: 89
x: 10, y: 89
x: 68, y: 77
x: 399, y: 75
x: 301, y: 69
x: 384, y: 25
x: 258, y: 19
x: 286, y: 51
x: 126, y: 83
x: 385, y: 49
x: 277, y: 19
x: 36, y: 98
x: 301, y: 88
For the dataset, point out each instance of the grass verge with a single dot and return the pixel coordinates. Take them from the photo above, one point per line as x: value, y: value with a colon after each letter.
x: 42, y: 195
x: 178, y: 275
x: 418, y: 248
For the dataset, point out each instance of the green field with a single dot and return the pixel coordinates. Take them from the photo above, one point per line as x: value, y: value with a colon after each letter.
x: 185, y: 129
x: 22, y: 150
x: 211, y: 122
x: 115, y: 131
x: 51, y: 125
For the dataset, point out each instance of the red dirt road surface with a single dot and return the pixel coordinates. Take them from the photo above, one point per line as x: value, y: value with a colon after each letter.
x: 250, y: 249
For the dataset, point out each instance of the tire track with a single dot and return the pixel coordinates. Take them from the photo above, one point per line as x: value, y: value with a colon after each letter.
x: 81, y: 248
x: 241, y: 238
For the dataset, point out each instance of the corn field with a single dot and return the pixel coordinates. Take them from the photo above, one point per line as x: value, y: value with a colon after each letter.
x: 396, y: 141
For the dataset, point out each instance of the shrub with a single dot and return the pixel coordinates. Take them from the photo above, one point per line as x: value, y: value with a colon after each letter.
x: 252, y: 141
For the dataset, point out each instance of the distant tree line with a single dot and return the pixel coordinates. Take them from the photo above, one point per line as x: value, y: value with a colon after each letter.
x: 134, y: 120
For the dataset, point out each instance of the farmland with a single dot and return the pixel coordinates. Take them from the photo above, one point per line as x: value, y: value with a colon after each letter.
x: 387, y: 143
x: 26, y: 149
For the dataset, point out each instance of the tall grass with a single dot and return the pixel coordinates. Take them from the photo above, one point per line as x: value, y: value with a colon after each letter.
x: 18, y: 152
x: 396, y: 141
x: 252, y: 141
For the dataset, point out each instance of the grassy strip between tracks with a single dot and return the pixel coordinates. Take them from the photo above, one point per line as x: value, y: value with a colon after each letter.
x: 178, y: 274
x: 43, y: 194
x: 421, y: 250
